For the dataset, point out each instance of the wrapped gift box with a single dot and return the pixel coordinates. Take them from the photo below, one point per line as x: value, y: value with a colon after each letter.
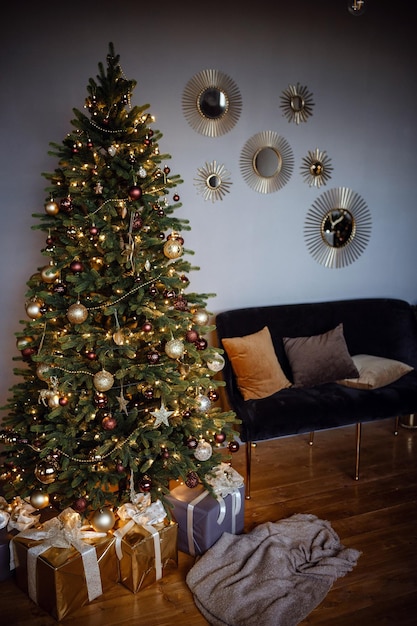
x: 62, y: 579
x: 146, y: 554
x: 203, y: 518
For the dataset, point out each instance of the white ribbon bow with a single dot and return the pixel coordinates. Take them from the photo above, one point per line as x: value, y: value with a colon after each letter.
x: 21, y: 516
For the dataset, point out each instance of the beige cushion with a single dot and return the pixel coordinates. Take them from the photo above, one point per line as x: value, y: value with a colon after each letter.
x: 255, y: 365
x: 375, y: 371
x: 320, y: 358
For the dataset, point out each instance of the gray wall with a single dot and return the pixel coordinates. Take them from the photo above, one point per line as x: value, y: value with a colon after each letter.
x: 250, y: 246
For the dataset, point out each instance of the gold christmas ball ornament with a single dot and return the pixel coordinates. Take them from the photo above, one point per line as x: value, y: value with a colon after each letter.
x: 42, y: 371
x: 103, y: 520
x: 53, y: 400
x: 173, y: 249
x: 201, y: 317
x: 103, y: 381
x: 39, y: 499
x: 45, y: 472
x: 174, y: 349
x: 216, y: 363
x: 33, y: 308
x: 50, y: 273
x: 203, y: 451
x: 23, y: 342
x: 77, y: 313
x: 51, y: 207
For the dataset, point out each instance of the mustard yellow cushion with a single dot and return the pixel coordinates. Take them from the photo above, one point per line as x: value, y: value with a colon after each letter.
x: 375, y: 372
x: 255, y: 365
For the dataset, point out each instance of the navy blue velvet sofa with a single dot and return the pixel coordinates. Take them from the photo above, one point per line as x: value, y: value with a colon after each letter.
x: 375, y: 326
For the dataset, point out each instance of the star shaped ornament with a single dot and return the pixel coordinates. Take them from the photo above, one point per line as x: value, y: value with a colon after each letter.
x: 161, y: 415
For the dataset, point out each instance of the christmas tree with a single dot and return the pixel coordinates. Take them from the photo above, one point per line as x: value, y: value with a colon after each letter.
x: 117, y: 383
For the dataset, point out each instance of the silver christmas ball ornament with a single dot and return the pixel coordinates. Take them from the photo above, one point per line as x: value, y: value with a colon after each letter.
x: 103, y: 381
x: 201, y: 317
x: 216, y: 363
x: 203, y: 451
x: 203, y: 403
x: 174, y: 348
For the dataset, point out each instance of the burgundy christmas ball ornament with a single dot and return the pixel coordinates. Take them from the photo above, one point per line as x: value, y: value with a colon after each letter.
x: 176, y: 197
x: 63, y: 400
x: 213, y: 395
x: 219, y: 437
x: 80, y: 504
x: 59, y: 288
x: 147, y: 327
x: 233, y: 446
x: 66, y: 205
x: 109, y: 422
x: 145, y: 484
x: 27, y: 352
x: 192, y: 480
x: 192, y: 443
x: 153, y: 357
x: 120, y: 468
x: 100, y: 400
x: 148, y: 393
x: 94, y: 231
x: 76, y: 266
x: 201, y: 344
x: 91, y: 355
x: 135, y: 192
x: 191, y: 335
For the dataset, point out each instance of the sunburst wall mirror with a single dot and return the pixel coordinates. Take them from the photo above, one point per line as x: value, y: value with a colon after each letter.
x: 297, y: 103
x: 266, y: 162
x: 316, y: 168
x: 213, y: 181
x: 211, y: 103
x: 338, y: 227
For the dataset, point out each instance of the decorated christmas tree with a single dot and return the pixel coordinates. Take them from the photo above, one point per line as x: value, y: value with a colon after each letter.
x: 117, y: 380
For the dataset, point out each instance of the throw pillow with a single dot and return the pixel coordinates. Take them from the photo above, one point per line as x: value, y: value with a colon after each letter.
x: 320, y: 358
x: 375, y: 372
x: 255, y: 364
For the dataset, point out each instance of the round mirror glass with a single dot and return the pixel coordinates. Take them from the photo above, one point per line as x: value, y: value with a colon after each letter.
x: 214, y: 181
x: 297, y: 103
x: 316, y: 168
x: 267, y: 162
x: 212, y: 103
x: 337, y: 227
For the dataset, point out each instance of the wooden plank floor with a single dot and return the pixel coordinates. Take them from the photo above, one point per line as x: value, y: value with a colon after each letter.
x: 376, y: 515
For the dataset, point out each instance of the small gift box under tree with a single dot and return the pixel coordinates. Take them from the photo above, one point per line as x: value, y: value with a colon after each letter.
x: 202, y: 517
x: 146, y: 542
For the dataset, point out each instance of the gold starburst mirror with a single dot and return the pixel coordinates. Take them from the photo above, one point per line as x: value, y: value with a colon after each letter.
x: 266, y: 162
x: 211, y: 103
x: 297, y: 103
x: 316, y: 168
x: 337, y: 227
x: 213, y: 181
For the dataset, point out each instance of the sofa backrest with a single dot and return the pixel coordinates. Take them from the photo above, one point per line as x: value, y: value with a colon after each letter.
x: 378, y: 326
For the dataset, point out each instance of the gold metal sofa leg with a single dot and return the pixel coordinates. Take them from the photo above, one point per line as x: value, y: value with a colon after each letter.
x: 311, y: 440
x: 397, y: 421
x: 358, y: 448
x: 248, y: 468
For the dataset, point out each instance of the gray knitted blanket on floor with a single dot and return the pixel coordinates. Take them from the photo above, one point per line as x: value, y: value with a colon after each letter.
x: 274, y: 575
